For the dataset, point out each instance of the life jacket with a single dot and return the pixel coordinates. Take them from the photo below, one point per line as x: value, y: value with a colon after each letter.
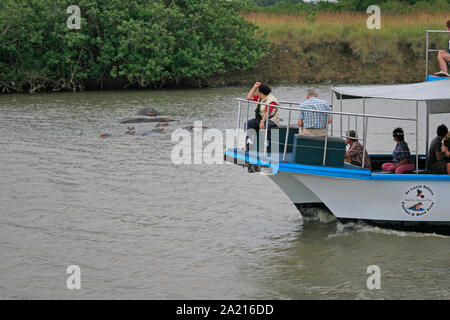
x: 261, y: 109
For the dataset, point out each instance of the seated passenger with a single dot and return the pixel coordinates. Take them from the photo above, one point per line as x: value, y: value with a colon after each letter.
x: 446, y: 150
x: 443, y: 58
x: 262, y: 93
x: 314, y: 123
x: 354, y: 155
x: 402, y: 157
x: 436, y: 158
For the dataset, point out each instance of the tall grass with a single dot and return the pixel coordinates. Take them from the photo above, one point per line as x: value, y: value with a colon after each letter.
x: 338, y: 46
x: 351, y: 27
x: 340, y: 23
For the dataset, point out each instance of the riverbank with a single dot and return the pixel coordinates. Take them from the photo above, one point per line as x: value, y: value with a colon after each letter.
x: 339, y: 48
x: 279, y: 48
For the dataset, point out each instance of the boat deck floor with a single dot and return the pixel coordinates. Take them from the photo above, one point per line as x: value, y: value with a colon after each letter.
x: 278, y: 156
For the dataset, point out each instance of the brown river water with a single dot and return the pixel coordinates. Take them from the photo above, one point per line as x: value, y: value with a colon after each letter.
x: 140, y: 227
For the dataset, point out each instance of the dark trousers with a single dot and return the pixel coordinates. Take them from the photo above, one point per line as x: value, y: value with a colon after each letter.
x: 254, y: 124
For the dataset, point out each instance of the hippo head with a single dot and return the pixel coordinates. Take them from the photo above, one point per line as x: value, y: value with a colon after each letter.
x: 151, y: 112
x: 131, y: 131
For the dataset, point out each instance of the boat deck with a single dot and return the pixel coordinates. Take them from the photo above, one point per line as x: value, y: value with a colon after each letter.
x: 274, y: 161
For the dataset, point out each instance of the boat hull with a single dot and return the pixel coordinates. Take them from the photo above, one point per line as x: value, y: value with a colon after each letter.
x: 413, y: 201
x: 295, y: 189
x: 442, y: 228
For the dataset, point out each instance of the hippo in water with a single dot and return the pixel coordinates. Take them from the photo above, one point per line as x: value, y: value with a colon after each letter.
x: 145, y: 115
x: 104, y: 135
x: 140, y: 119
x: 194, y: 127
x: 149, y: 112
x: 132, y: 132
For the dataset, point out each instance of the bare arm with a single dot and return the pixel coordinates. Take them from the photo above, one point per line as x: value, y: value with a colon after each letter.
x: 253, y: 90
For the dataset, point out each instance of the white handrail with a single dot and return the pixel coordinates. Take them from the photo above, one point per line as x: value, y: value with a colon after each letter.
x: 430, y: 50
x: 332, y: 112
x: 439, y: 31
x: 349, y: 114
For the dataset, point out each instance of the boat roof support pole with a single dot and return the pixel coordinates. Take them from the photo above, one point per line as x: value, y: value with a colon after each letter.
x: 427, y: 135
x: 287, y: 133
x: 348, y: 124
x: 326, y: 142
x: 365, y: 125
x: 267, y: 130
x: 417, y: 136
x: 426, y: 59
x: 332, y: 102
x: 248, y: 107
x: 238, y: 121
x: 364, y: 105
x: 340, y: 96
x: 245, y: 125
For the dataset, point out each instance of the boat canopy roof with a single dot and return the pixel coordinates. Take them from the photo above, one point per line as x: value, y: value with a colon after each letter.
x: 436, y: 94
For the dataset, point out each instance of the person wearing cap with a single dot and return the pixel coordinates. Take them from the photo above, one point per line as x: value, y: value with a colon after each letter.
x: 437, y: 160
x: 354, y: 155
x: 401, y: 155
x: 262, y: 93
x: 444, y: 58
x: 314, y: 123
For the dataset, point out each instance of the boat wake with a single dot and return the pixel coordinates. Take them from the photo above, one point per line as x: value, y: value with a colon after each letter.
x: 345, y: 229
x: 317, y: 214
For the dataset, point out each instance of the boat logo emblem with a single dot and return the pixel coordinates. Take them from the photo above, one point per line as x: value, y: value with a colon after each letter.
x: 418, y: 200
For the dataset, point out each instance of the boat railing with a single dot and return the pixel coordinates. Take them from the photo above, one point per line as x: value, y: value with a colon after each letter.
x: 428, y: 50
x: 292, y: 106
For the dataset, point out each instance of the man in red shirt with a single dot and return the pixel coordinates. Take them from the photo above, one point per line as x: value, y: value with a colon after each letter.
x: 262, y: 93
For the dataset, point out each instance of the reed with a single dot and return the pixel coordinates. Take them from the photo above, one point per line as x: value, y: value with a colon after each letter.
x: 347, y: 24
x: 338, y: 46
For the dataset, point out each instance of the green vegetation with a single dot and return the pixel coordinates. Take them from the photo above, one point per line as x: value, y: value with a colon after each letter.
x: 172, y: 43
x: 132, y: 43
x: 336, y: 46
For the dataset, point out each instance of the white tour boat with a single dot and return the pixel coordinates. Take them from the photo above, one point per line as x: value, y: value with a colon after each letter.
x: 312, y: 172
